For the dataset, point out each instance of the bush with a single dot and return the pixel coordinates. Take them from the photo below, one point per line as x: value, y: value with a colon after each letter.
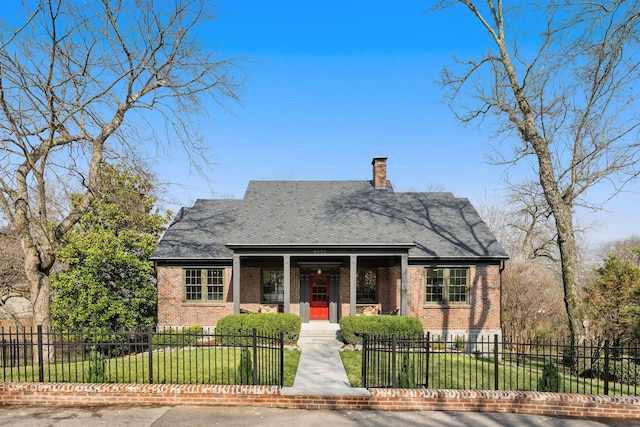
x: 622, y: 371
x: 244, y: 372
x: 438, y: 344
x: 269, y: 324
x: 97, y: 367
x: 406, y: 376
x: 353, y: 328
x: 177, y: 337
x: 550, y: 379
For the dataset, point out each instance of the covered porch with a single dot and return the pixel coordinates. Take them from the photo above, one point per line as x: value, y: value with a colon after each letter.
x: 321, y: 283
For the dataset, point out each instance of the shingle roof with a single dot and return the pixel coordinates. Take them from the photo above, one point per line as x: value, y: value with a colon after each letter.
x: 332, y: 213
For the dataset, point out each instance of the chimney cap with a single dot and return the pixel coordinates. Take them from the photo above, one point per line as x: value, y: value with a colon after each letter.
x: 379, y: 159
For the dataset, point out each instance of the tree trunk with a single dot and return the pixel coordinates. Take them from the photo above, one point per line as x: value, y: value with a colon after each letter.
x: 562, y: 207
x: 37, y: 273
x: 570, y: 275
x: 40, y: 300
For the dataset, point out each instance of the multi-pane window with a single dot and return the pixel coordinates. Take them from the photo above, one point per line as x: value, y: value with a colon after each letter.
x: 447, y: 285
x: 204, y: 284
x: 458, y: 286
x: 434, y: 290
x: 273, y: 286
x: 192, y: 285
x: 215, y: 284
x: 366, y: 286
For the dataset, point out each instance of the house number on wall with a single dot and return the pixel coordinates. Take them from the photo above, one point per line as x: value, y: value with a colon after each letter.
x: 319, y: 251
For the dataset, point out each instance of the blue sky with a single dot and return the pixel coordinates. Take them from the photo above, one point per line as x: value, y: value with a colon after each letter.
x: 331, y: 84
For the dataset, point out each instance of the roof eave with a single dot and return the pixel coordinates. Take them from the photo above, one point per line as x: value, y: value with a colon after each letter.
x: 320, y: 245
x: 460, y: 258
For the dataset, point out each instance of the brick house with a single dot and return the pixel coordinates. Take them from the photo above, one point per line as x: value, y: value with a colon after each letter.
x: 327, y: 249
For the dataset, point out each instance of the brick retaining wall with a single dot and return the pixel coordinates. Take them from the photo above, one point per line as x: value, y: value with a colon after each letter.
x: 553, y: 404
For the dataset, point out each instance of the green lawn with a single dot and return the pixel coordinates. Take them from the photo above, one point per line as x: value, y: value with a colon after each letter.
x: 352, y: 361
x: 208, y: 365
x: 466, y: 372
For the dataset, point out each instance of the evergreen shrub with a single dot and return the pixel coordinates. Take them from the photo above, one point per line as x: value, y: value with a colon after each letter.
x: 97, y: 367
x: 406, y: 375
x: 269, y: 324
x: 550, y: 380
x: 353, y: 328
x: 244, y: 372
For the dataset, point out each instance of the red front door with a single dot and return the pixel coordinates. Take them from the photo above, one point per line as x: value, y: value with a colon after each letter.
x: 319, y: 291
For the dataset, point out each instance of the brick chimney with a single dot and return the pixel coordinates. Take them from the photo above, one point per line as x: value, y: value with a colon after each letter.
x: 379, y: 172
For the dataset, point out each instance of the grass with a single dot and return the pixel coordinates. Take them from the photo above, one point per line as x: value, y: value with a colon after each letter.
x: 291, y: 359
x: 461, y: 371
x: 352, y: 362
x: 207, y: 365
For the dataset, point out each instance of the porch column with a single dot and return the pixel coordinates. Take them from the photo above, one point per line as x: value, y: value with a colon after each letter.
x: 236, y: 284
x: 404, y: 304
x: 353, y: 270
x: 287, y: 283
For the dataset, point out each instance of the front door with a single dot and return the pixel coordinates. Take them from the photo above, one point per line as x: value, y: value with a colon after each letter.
x: 319, y: 292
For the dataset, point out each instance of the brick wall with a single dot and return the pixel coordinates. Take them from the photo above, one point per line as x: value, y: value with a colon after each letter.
x: 480, y: 316
x: 552, y: 404
x: 174, y: 312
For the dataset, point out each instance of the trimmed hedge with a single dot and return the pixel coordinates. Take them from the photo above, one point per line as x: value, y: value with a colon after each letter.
x: 264, y: 323
x: 353, y: 328
x: 178, y: 337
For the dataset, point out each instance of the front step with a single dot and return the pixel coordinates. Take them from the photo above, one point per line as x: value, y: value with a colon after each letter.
x: 320, y: 325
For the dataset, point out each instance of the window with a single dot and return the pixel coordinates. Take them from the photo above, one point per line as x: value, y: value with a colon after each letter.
x: 367, y: 286
x: 272, y: 286
x: 435, y: 286
x: 215, y: 285
x: 447, y: 285
x: 196, y: 278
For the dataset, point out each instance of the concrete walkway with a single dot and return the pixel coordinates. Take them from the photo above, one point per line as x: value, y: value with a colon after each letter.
x: 320, y: 371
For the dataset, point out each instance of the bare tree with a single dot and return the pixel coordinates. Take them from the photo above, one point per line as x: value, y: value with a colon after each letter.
x: 85, y: 82
x: 532, y: 301
x: 531, y: 282
x: 12, y: 278
x: 560, y: 76
x: 627, y: 249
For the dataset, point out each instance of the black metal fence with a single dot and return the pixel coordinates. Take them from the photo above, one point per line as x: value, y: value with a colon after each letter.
x: 487, y: 363
x: 189, y: 356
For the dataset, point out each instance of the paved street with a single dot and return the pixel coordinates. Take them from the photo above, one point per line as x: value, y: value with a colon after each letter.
x: 16, y: 416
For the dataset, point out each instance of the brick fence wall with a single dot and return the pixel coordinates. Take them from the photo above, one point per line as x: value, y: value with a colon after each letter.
x: 552, y: 404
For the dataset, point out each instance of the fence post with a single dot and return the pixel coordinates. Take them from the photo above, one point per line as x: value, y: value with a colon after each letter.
x: 365, y: 338
x: 40, y: 355
x: 281, y: 359
x: 495, y: 361
x: 428, y: 346
x: 606, y: 367
x: 255, y: 357
x: 150, y: 348
x: 393, y: 361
